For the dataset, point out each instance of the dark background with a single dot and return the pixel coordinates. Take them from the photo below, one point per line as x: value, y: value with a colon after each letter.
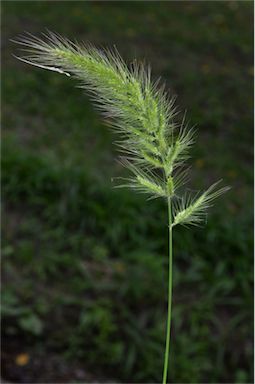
x: 85, y: 266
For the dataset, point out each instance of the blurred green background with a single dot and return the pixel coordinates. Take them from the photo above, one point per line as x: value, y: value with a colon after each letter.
x: 84, y: 265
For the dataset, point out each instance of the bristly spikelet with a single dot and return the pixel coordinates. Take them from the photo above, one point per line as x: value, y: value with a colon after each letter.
x: 192, y: 210
x: 140, y: 111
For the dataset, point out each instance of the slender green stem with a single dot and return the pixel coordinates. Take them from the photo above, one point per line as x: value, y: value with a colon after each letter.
x: 170, y: 283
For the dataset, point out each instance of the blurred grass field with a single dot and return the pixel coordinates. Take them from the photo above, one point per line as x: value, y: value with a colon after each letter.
x: 84, y: 265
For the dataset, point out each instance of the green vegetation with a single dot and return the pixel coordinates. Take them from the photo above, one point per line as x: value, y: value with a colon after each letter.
x: 77, y: 280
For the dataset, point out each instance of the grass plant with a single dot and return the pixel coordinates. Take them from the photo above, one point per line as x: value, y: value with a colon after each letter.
x: 154, y: 144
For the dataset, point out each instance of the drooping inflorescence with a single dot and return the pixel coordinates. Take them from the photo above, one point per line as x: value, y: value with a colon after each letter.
x: 153, y: 146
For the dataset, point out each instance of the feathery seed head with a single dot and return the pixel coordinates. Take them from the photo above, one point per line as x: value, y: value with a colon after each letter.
x: 141, y: 112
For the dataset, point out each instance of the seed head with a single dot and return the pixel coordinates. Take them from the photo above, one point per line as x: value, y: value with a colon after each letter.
x: 154, y: 146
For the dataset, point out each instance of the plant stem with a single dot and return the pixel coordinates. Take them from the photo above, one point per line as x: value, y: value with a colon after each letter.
x: 170, y: 283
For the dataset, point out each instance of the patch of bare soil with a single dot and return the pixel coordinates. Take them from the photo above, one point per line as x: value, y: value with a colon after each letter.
x: 32, y: 365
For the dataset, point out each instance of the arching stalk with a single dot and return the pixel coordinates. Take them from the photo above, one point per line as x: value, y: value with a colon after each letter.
x: 170, y: 288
